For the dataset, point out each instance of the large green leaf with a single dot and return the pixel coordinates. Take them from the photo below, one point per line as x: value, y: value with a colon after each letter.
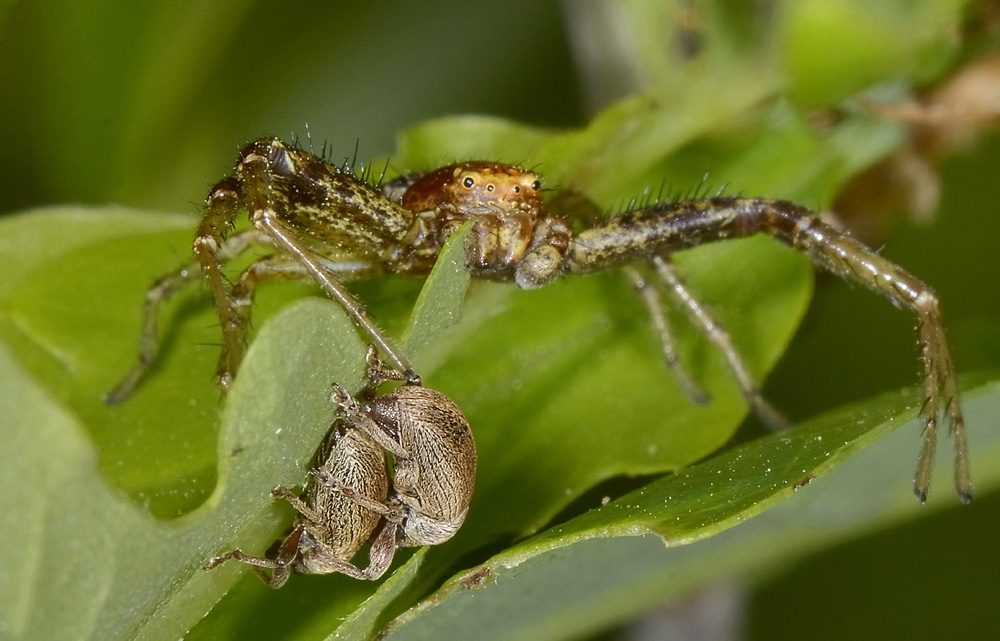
x: 139, y: 577
x: 95, y: 565
x: 564, y: 386
x: 630, y: 554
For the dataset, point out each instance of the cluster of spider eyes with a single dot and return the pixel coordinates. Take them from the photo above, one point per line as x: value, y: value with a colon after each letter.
x: 469, y: 182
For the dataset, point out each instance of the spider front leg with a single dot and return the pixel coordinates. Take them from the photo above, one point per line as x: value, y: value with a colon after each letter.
x: 223, y: 204
x: 162, y: 290
x: 285, y: 239
x: 664, y: 228
x: 276, y: 184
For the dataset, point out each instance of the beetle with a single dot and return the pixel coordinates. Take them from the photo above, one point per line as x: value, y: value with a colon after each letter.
x: 434, y: 463
x: 329, y: 527
x: 434, y: 473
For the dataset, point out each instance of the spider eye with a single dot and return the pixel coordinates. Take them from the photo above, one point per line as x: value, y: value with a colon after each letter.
x: 517, y: 189
x: 536, y: 185
x: 469, y: 182
x: 490, y: 187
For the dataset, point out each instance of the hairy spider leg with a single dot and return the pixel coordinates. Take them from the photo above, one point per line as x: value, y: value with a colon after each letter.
x: 714, y: 331
x: 578, y: 207
x: 572, y: 205
x: 265, y: 219
x: 273, y: 267
x: 664, y: 228
x: 267, y: 268
x: 650, y: 296
x: 225, y: 200
x: 163, y: 289
x: 223, y: 204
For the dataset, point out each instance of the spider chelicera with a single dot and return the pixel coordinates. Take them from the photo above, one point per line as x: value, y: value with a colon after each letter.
x: 330, y: 226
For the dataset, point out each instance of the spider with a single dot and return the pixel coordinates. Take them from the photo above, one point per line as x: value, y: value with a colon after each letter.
x: 330, y: 226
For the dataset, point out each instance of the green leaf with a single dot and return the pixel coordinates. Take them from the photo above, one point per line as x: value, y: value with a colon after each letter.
x: 442, y: 299
x: 838, y: 490
x: 71, y: 309
x: 281, y: 390
x: 140, y: 577
x: 116, y: 509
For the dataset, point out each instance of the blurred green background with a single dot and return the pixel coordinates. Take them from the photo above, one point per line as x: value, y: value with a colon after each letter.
x: 146, y: 104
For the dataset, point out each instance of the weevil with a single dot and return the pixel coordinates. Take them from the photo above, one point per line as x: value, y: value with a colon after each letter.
x: 434, y: 473
x: 330, y: 527
x: 434, y: 463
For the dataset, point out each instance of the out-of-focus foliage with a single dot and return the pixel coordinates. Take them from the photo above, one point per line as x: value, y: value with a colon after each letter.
x: 144, y: 105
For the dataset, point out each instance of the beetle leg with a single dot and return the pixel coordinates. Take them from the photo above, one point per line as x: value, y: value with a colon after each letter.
x: 281, y: 565
x: 357, y: 416
x: 378, y: 373
x: 322, y: 562
x: 324, y: 477
x: 382, y: 551
x: 380, y: 556
x: 296, y: 502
